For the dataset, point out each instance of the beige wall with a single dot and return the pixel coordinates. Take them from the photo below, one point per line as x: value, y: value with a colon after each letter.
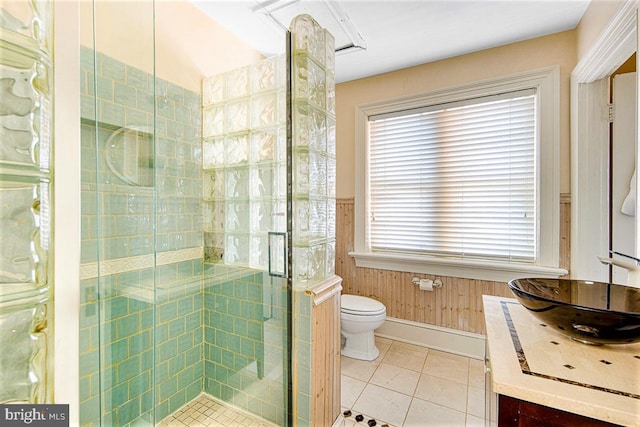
x: 458, y: 303
x: 537, y: 53
x: 188, y: 44
x: 593, y: 22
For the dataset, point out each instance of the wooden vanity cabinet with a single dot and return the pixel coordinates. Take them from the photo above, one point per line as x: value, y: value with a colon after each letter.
x: 515, y: 412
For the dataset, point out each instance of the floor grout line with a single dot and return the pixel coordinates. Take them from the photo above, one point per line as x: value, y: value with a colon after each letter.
x: 466, y: 381
x: 205, y: 410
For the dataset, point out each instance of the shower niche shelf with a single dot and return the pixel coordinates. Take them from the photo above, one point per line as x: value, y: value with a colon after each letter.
x: 130, y: 155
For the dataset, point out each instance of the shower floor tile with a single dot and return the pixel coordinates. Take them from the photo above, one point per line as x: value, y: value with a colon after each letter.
x: 206, y: 411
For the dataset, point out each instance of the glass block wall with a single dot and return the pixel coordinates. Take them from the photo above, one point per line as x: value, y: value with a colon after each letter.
x: 141, y: 337
x: 244, y: 158
x: 314, y: 186
x: 244, y: 162
x: 314, y: 152
x: 26, y: 223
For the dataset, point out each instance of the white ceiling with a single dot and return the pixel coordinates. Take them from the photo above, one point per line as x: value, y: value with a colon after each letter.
x: 389, y: 35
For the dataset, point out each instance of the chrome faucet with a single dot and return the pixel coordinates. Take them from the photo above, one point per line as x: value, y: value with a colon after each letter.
x: 633, y: 268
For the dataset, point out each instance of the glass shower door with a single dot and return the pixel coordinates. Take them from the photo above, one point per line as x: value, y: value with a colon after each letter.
x: 246, y: 301
x: 119, y: 224
x: 184, y: 177
x: 187, y: 194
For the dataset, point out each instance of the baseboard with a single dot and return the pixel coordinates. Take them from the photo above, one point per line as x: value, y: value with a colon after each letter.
x: 435, y: 337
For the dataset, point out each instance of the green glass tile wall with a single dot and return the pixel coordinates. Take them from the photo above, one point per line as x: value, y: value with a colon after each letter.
x: 121, y: 170
x: 245, y: 340
x: 129, y: 344
x: 89, y: 354
x: 142, y: 328
x: 179, y: 336
x: 302, y: 348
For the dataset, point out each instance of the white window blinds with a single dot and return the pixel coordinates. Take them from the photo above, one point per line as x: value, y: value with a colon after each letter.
x: 456, y: 179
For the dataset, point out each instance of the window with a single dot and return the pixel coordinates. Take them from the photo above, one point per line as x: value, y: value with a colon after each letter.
x: 456, y: 179
x: 461, y: 182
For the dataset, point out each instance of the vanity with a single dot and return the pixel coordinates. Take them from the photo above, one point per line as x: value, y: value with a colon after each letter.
x: 543, y: 378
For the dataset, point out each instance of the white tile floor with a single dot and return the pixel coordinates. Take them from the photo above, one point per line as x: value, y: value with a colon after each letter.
x: 406, y: 386
x: 413, y: 386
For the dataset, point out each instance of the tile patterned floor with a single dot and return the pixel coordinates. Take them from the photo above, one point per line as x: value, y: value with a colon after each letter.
x: 406, y: 386
x: 204, y: 411
x: 413, y: 386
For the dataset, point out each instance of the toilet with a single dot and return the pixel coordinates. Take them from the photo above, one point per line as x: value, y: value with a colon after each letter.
x: 359, y: 317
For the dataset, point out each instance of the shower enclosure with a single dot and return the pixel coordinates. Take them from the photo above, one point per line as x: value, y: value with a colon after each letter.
x: 208, y: 209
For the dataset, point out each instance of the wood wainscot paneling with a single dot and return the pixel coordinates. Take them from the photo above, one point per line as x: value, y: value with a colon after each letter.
x: 457, y: 304
x: 326, y: 373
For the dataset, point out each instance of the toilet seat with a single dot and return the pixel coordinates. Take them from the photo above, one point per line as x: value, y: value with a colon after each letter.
x: 359, y: 318
x: 361, y: 306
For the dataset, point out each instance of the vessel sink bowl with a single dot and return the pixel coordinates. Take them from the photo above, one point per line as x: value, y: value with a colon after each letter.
x: 588, y: 312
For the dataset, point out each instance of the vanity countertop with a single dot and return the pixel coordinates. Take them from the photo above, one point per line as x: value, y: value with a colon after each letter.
x: 532, y: 362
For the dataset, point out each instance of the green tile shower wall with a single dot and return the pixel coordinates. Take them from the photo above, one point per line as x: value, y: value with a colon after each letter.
x: 89, y: 354
x: 118, y: 219
x: 302, y: 348
x: 244, y: 345
x: 231, y: 317
x: 179, y: 336
x: 119, y: 346
x: 141, y: 331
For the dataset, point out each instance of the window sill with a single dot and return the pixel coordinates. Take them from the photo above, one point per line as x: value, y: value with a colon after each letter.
x: 467, y: 269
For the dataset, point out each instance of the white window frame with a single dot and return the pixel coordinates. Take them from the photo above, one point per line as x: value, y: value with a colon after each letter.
x: 546, y: 82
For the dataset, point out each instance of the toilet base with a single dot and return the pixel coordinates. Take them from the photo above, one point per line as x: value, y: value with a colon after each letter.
x: 360, y: 346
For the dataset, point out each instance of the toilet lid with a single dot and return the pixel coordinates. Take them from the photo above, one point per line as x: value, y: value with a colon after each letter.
x: 354, y: 304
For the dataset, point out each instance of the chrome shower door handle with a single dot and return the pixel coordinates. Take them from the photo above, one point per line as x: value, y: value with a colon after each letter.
x: 277, y: 254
